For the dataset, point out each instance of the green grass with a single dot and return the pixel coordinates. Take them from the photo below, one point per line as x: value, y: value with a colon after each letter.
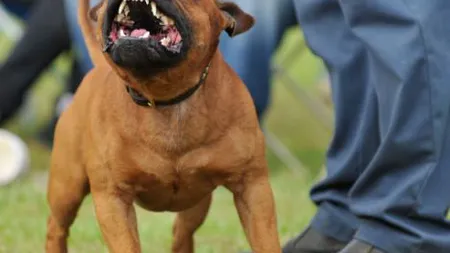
x: 23, y: 209
x: 22, y: 226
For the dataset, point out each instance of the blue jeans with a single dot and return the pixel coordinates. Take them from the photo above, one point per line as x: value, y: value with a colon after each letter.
x: 80, y: 48
x: 249, y: 54
x: 19, y: 9
x: 389, y: 161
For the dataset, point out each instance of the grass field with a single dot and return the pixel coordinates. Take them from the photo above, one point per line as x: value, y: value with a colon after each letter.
x: 23, y: 209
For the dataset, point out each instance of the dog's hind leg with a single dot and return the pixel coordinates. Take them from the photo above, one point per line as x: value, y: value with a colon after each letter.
x: 66, y: 190
x: 186, y: 223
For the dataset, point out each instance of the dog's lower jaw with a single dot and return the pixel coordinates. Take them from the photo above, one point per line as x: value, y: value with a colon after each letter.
x: 142, y: 61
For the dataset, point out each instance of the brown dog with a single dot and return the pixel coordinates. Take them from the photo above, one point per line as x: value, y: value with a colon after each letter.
x: 186, y: 126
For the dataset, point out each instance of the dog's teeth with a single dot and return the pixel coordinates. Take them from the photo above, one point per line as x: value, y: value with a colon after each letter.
x: 122, y: 6
x: 147, y: 2
x: 145, y: 36
x: 119, y: 18
x: 121, y: 33
x: 127, y: 10
x: 166, y: 20
x: 153, y: 5
x: 165, y: 41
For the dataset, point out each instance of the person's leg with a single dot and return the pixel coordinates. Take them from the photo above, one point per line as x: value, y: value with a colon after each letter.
x: 81, y: 65
x: 356, y: 133
x: 402, y: 196
x: 61, y: 103
x: 44, y: 39
x: 249, y: 54
x: 19, y: 8
x: 81, y: 52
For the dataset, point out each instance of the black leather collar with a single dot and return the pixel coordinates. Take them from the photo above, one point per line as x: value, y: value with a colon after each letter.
x: 140, y: 100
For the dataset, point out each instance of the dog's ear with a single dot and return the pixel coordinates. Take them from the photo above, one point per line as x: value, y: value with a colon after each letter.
x: 93, y: 12
x: 237, y: 21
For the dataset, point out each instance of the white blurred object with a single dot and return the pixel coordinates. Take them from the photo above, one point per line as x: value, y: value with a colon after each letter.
x: 14, y: 157
x: 10, y: 27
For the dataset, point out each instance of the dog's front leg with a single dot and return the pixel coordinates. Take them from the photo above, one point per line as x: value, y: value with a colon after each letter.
x: 117, y: 218
x: 255, y: 204
x: 186, y: 223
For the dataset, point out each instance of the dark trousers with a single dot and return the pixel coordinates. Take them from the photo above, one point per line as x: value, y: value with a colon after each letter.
x: 389, y: 161
x: 45, y: 38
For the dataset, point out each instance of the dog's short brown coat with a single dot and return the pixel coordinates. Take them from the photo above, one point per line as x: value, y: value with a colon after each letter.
x: 164, y: 159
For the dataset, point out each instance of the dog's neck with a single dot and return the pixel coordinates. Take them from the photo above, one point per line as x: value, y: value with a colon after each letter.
x: 175, y: 85
x: 191, y: 117
x: 172, y: 83
x: 195, y: 117
x: 141, y: 100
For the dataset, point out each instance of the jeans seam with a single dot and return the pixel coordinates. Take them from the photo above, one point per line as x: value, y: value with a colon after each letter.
x: 434, y: 157
x: 435, y: 154
x: 426, y: 59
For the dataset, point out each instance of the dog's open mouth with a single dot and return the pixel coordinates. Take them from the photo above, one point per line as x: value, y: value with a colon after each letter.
x: 143, y: 20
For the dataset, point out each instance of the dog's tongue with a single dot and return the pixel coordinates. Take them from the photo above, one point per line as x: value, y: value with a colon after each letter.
x: 138, y: 32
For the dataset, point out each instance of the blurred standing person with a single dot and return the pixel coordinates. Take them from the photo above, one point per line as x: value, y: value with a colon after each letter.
x: 386, y: 190
x: 250, y: 54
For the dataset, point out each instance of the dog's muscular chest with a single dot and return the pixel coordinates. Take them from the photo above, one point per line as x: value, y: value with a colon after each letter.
x: 163, y: 182
x: 170, y: 188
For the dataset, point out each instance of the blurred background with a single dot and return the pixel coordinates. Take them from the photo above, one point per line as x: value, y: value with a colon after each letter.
x: 297, y: 123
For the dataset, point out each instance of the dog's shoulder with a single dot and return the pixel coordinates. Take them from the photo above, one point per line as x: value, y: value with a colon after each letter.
x: 96, y: 84
x: 97, y: 79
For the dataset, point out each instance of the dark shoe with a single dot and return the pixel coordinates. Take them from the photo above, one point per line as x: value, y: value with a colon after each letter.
x: 356, y: 246
x: 311, y: 241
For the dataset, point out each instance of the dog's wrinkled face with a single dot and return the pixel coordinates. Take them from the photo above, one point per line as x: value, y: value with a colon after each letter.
x: 147, y: 36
